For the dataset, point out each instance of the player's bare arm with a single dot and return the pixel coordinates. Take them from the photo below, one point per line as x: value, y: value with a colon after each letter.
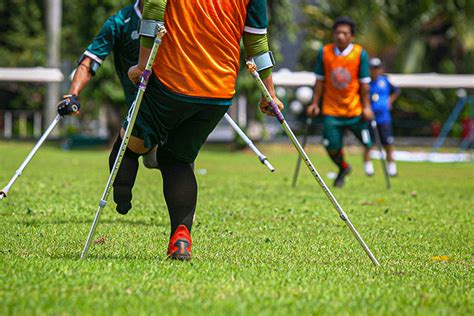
x: 365, y: 98
x: 82, y: 76
x: 394, y: 96
x: 313, y: 109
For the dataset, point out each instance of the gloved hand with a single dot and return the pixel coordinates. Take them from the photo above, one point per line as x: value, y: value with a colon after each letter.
x: 68, y: 105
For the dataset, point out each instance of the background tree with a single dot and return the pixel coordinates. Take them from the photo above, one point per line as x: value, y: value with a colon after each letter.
x: 23, y: 44
x: 411, y: 36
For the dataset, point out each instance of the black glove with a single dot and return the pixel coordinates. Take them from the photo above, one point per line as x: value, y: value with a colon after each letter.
x: 69, y: 104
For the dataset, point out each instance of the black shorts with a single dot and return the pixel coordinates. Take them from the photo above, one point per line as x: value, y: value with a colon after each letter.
x: 385, y: 132
x: 178, y: 128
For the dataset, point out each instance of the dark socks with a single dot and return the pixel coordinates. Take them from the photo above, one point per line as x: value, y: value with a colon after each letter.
x: 125, y: 178
x: 180, y: 191
x: 338, y: 157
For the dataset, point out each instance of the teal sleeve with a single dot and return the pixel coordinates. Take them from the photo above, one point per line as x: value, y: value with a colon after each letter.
x: 319, y: 67
x: 152, y: 10
x: 257, y: 15
x: 104, y: 41
x: 364, y: 70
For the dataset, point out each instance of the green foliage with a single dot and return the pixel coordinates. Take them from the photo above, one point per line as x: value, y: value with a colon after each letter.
x: 260, y: 247
x: 23, y: 44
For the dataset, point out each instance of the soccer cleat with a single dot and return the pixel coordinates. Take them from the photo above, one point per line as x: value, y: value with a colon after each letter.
x: 369, y: 168
x: 340, y: 179
x: 123, y: 198
x: 392, y: 168
x: 179, y: 247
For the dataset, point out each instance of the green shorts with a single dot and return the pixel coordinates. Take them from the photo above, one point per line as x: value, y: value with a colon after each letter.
x: 333, y: 131
x: 179, y: 128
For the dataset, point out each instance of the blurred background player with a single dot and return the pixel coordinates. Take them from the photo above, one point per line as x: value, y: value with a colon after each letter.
x: 118, y: 35
x: 382, y: 96
x: 342, y: 72
x: 191, y: 88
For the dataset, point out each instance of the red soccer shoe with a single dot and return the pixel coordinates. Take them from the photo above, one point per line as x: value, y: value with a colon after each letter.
x: 180, y: 244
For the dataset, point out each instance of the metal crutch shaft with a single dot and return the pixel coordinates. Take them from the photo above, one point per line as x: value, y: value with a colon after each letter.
x: 252, y: 69
x: 123, y: 146
x: 263, y: 159
x: 298, y: 162
x: 19, y: 171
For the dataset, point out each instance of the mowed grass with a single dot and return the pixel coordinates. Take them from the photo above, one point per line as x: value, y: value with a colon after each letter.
x: 260, y: 247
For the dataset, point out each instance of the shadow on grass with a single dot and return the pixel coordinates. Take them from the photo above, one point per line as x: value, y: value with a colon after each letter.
x: 89, y: 222
x: 76, y: 256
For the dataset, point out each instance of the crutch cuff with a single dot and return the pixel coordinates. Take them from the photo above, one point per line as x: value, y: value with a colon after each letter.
x: 264, y: 61
x: 150, y: 28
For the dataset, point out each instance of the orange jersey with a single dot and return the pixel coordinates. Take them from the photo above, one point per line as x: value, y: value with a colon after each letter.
x: 342, y: 75
x: 200, y: 54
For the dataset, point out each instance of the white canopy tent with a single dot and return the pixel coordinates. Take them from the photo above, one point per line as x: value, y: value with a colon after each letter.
x: 290, y: 79
x: 426, y: 80
x: 35, y: 74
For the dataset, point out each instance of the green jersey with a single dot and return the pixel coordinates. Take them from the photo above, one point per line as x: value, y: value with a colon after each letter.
x: 119, y: 35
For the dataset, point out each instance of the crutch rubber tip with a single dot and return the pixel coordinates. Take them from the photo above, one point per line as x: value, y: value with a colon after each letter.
x: 268, y: 165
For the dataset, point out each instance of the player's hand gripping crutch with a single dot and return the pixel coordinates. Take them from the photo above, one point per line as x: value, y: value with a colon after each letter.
x: 123, y: 146
x: 373, y: 124
x: 68, y: 105
x: 253, y: 70
x: 249, y: 143
x: 309, y: 121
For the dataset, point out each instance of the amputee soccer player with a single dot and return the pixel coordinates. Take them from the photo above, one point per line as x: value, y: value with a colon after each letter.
x: 342, y: 72
x: 191, y: 88
x: 118, y: 35
x: 382, y: 96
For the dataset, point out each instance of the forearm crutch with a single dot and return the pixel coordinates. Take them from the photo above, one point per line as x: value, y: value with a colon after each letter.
x: 249, y: 143
x: 298, y: 162
x: 19, y: 171
x: 373, y: 125
x: 253, y: 70
x: 123, y: 146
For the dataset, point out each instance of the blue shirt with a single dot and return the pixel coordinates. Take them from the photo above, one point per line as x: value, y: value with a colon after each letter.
x: 380, y: 91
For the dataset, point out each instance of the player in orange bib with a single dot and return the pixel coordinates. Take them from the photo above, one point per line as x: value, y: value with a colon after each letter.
x: 191, y: 88
x: 342, y: 72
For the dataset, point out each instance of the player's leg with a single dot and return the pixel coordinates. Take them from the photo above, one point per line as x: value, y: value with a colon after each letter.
x: 368, y: 164
x: 361, y: 130
x: 149, y: 159
x: 127, y: 173
x: 143, y: 139
x: 386, y: 137
x: 176, y: 159
x: 333, y: 129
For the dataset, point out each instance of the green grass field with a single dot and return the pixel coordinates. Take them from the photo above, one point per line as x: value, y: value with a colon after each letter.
x: 260, y: 247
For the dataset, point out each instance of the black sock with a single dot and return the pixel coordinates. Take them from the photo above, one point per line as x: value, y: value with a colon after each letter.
x: 338, y: 157
x: 180, y: 191
x: 125, y: 178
